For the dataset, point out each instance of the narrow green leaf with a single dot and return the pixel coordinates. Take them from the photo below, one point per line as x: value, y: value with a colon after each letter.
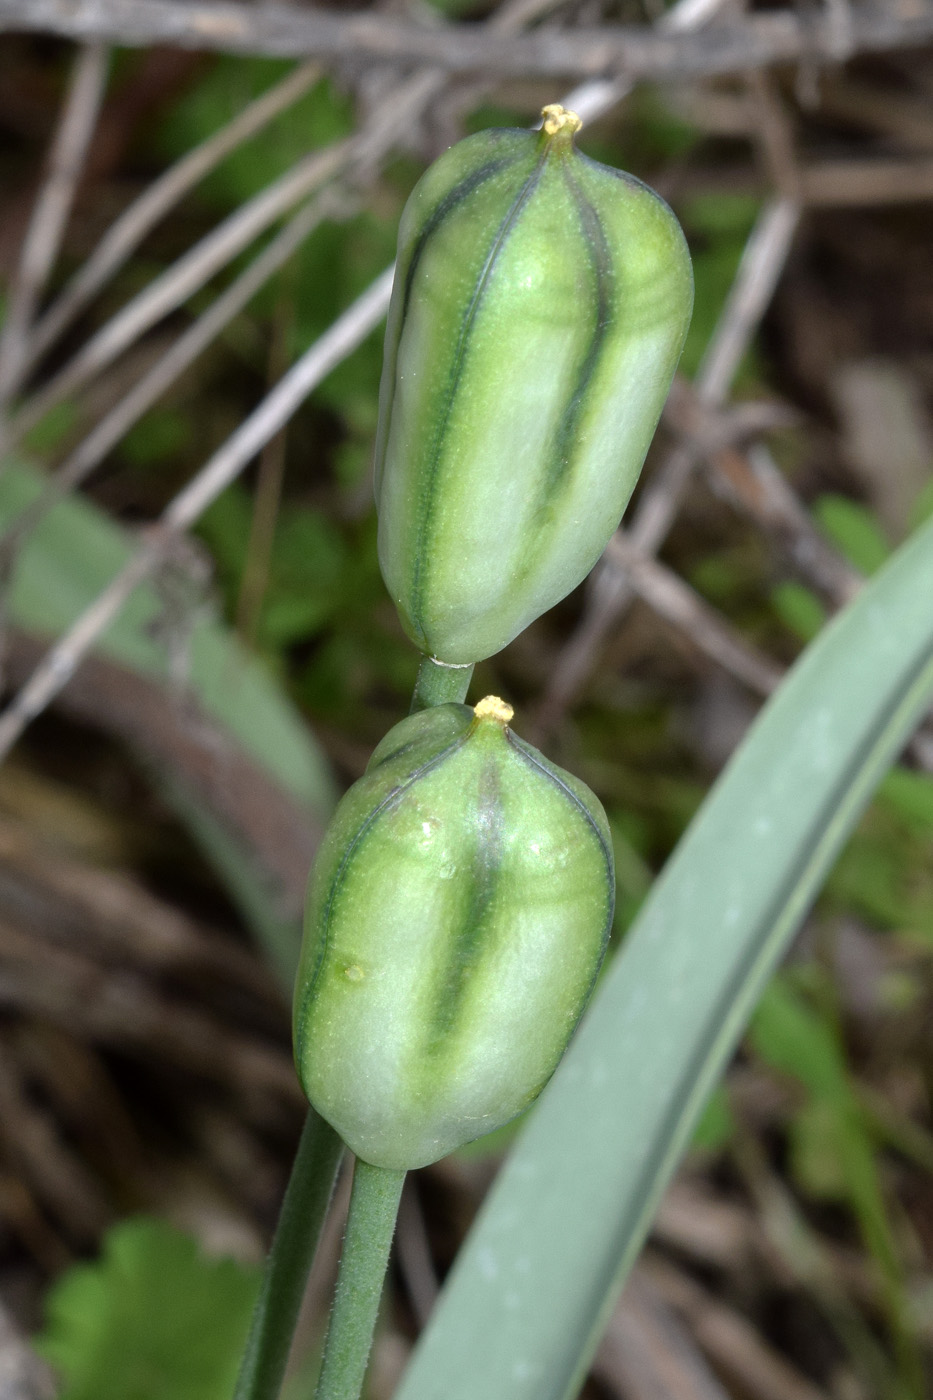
x: 67, y: 560
x: 74, y: 552
x: 854, y: 530
x: 524, y: 1306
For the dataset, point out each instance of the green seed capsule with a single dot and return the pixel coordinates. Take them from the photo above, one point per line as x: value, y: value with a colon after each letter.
x: 539, y: 310
x: 457, y: 917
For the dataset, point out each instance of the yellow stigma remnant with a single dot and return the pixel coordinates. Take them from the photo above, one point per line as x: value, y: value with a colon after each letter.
x: 493, y: 708
x: 558, y: 121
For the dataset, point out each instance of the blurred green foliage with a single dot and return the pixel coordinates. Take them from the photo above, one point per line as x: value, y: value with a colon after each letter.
x: 717, y: 228
x: 223, y: 89
x: 833, y: 1146
x: 799, y: 608
x: 159, y: 435
x: 854, y: 530
x: 885, y: 875
x: 152, y: 1319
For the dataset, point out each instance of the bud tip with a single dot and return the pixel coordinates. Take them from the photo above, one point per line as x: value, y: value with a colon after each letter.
x: 491, y: 707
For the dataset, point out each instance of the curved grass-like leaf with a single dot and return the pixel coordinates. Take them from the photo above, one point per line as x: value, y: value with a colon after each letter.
x: 67, y: 559
x: 70, y: 557
x: 522, y: 1312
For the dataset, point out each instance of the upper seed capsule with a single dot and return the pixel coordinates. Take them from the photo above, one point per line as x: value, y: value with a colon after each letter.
x: 539, y: 309
x: 457, y: 916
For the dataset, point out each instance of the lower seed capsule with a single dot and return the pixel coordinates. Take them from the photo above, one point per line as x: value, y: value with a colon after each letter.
x: 457, y: 917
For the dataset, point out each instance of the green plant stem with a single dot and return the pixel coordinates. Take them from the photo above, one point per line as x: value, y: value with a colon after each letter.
x: 370, y: 1226
x: 439, y: 684
x: 307, y: 1198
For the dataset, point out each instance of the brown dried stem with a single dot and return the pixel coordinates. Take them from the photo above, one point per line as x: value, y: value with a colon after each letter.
x: 227, y: 462
x: 51, y: 210
x: 128, y: 231
x: 636, y: 53
x: 611, y: 591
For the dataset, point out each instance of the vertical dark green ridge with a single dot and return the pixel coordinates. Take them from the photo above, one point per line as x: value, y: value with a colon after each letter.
x: 560, y: 467
x: 452, y: 974
x: 541, y: 765
x: 390, y: 355
x: 430, y: 475
x: 440, y: 212
x: 391, y: 798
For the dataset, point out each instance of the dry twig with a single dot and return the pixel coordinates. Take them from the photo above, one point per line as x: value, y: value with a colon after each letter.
x: 61, y: 661
x: 180, y: 281
x: 22, y: 1375
x: 647, y: 1353
x: 679, y: 604
x: 59, y: 665
x: 610, y: 592
x: 128, y: 231
x: 51, y: 210
x: 635, y: 52
x: 731, y: 1343
x: 119, y: 1008
x: 180, y: 355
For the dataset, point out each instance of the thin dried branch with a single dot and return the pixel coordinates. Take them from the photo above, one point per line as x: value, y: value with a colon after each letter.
x: 636, y: 53
x: 50, y: 214
x: 355, y: 158
x: 182, y: 280
x: 763, y: 261
x: 832, y: 183
x: 648, y: 1354
x: 775, y: 134
x: 121, y: 1009
x: 30, y: 1140
x: 671, y: 598
x: 337, y: 342
x: 177, y: 740
x: 734, y: 1346
x: 167, y: 370
x: 705, y: 1227
x: 22, y: 1375
x: 73, y: 903
x: 752, y: 481
x: 270, y: 481
x: 904, y: 117
x: 230, y: 459
x: 764, y: 257
x: 128, y: 231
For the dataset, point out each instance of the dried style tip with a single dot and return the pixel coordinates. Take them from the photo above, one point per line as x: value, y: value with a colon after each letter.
x: 491, y: 707
x: 558, y: 121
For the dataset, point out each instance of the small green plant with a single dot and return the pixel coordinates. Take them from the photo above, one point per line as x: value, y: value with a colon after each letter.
x: 153, y: 1318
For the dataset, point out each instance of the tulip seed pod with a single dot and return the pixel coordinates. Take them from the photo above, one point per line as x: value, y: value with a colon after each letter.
x: 457, y: 916
x: 538, y: 313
